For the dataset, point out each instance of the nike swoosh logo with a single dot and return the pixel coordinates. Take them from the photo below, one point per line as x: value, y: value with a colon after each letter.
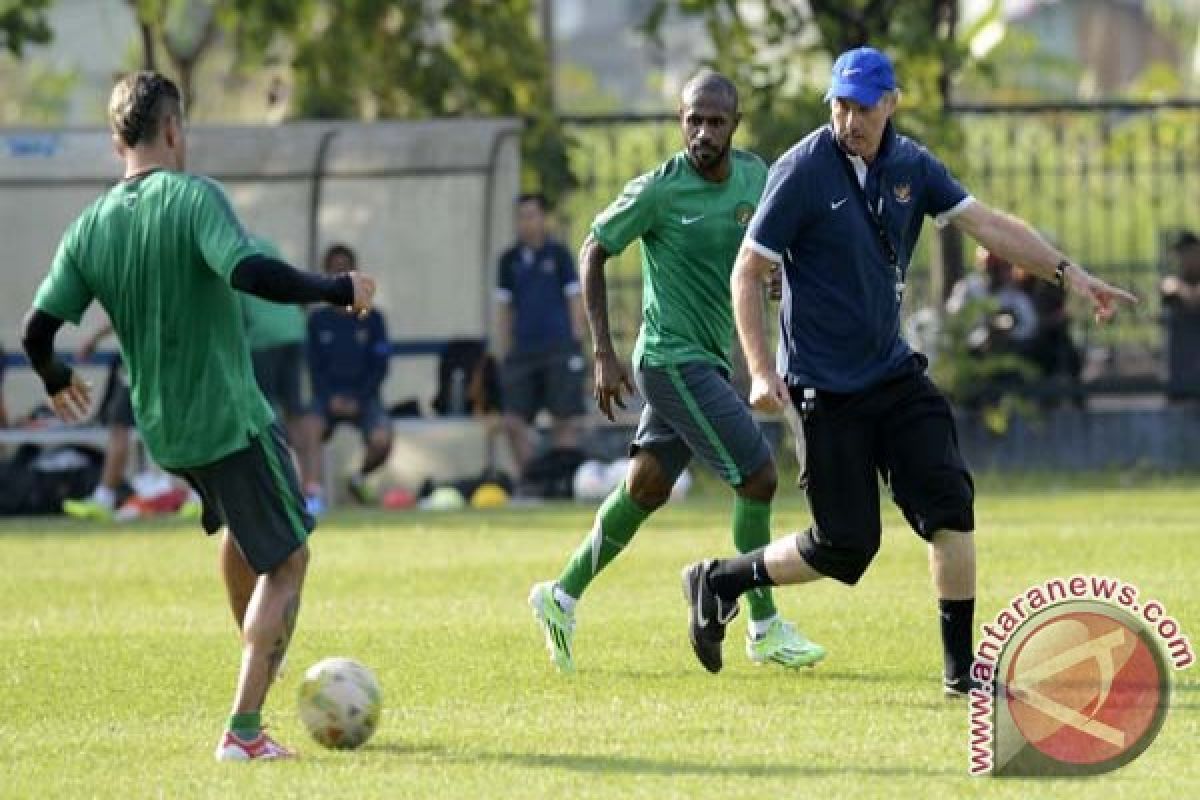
x: 700, y: 618
x: 690, y: 220
x: 836, y: 205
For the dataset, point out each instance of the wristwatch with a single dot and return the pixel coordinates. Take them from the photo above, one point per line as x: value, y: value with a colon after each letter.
x: 1060, y: 274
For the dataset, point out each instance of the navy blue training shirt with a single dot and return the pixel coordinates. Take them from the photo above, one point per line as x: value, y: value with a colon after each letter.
x: 840, y: 317
x: 537, y: 282
x: 347, y: 355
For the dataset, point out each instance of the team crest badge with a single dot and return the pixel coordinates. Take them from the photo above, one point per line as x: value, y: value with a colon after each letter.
x: 903, y: 193
x: 743, y: 212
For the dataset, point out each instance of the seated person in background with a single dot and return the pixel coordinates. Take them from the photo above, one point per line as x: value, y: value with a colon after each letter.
x: 276, y: 334
x: 1051, y: 348
x: 1013, y: 323
x: 1180, y: 295
x: 116, y: 414
x: 539, y: 328
x: 348, y: 358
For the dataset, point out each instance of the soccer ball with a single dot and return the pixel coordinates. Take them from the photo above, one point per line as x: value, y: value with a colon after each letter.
x: 340, y: 703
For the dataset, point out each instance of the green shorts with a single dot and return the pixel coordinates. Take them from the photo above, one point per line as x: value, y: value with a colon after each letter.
x: 255, y: 493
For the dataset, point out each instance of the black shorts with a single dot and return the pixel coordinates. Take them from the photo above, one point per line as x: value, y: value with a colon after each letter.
x: 254, y: 492
x: 901, y: 431
x: 279, y: 372
x: 116, y: 409
x: 550, y: 379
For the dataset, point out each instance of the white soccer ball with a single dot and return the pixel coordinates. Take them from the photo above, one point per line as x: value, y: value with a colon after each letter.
x: 340, y: 703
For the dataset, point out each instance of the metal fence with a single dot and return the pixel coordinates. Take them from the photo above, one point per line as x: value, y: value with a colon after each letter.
x: 1108, y: 181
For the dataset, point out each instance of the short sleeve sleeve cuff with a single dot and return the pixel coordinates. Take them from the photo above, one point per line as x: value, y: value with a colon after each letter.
x: 946, y: 217
x: 764, y: 251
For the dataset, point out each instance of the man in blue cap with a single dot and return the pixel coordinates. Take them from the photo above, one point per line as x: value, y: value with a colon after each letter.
x: 841, y: 214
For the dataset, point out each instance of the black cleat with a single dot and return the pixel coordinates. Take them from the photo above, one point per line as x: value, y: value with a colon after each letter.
x: 708, y: 615
x: 961, y: 686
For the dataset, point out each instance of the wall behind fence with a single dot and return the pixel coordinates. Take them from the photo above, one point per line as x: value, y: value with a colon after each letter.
x: 427, y: 205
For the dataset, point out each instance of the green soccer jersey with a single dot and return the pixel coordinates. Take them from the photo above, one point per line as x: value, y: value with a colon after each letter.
x: 271, y: 324
x: 157, y: 253
x: 691, y: 229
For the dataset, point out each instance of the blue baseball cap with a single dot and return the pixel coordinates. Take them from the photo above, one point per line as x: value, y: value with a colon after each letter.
x: 863, y: 75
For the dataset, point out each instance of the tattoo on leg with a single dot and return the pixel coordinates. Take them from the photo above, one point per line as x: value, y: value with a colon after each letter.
x: 290, y: 611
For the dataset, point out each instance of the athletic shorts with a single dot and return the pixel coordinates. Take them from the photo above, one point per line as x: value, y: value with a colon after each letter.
x: 901, y: 431
x: 551, y: 379
x: 279, y: 372
x: 370, y: 417
x: 254, y: 492
x: 117, y: 409
x: 693, y: 409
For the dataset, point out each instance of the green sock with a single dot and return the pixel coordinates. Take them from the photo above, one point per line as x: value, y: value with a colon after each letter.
x: 246, y: 726
x: 752, y: 530
x: 616, y: 522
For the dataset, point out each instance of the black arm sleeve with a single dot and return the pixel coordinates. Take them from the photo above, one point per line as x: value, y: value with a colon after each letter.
x: 274, y: 280
x: 38, y: 340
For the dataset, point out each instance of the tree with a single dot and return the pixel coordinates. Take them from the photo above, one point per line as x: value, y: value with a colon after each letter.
x: 23, y: 22
x: 779, y: 50
x: 184, y: 30
x: 411, y: 59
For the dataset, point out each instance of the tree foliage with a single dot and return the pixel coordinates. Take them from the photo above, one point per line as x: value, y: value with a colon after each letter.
x: 23, y: 22
x: 411, y: 59
x: 779, y: 52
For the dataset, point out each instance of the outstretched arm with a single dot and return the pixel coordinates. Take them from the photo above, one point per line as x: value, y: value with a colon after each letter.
x: 1014, y: 240
x: 610, y: 377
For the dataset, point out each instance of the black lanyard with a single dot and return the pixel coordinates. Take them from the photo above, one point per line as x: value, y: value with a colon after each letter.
x: 875, y: 215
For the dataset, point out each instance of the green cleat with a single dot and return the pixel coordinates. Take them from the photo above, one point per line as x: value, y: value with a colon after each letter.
x: 557, y: 625
x: 782, y: 644
x: 87, y: 509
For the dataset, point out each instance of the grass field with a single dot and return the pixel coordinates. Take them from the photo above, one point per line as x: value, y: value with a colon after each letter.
x: 119, y: 659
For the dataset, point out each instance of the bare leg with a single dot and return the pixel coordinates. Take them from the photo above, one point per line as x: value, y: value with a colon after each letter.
x: 240, y: 579
x: 116, y: 457
x: 518, y: 440
x: 269, y: 622
x: 785, y: 565
x: 379, y: 447
x: 952, y: 564
x: 565, y: 433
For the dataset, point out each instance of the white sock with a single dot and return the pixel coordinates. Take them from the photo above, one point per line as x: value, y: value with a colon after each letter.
x: 564, y: 600
x: 105, y: 497
x: 759, y: 627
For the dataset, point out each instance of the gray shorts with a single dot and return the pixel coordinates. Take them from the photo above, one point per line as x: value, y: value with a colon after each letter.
x: 550, y: 379
x: 692, y: 409
x: 279, y: 372
x: 254, y: 492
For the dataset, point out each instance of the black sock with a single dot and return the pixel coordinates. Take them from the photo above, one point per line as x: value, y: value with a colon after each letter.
x: 731, y: 577
x: 957, y: 618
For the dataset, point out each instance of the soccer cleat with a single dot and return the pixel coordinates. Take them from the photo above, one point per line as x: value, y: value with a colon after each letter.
x: 87, y: 509
x: 261, y: 748
x: 557, y: 625
x: 784, y: 645
x: 708, y: 615
x: 954, y: 688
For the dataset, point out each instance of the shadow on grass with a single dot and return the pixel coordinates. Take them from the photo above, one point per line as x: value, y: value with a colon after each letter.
x: 638, y: 765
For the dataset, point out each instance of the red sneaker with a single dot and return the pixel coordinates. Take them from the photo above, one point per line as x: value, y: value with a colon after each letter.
x: 234, y: 748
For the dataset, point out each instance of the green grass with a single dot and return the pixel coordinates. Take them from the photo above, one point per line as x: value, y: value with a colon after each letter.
x: 119, y: 658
